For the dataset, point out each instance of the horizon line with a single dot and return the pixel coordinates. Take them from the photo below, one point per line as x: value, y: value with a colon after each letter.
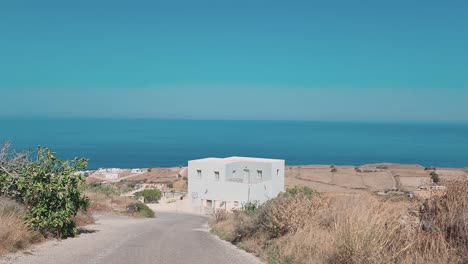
x: 234, y: 119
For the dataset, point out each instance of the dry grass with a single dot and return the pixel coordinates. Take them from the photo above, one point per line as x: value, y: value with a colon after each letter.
x: 104, y: 203
x: 180, y: 185
x: 83, y: 218
x: 14, y: 233
x: 355, y: 229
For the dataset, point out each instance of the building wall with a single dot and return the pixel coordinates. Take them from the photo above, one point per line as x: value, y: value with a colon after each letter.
x: 278, y: 177
x: 233, y: 188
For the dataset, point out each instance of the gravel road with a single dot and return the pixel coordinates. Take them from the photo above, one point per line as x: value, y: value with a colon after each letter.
x: 170, y: 238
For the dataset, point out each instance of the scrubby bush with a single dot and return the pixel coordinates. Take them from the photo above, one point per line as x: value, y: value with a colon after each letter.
x: 352, y: 229
x: 14, y: 232
x: 150, y: 195
x: 49, y: 187
x: 382, y: 167
x: 245, y: 225
x: 98, y: 187
x: 220, y: 215
x: 448, y: 213
x: 140, y: 209
x: 170, y: 184
x: 250, y: 207
x: 289, y: 211
x: 435, y: 177
x: 301, y: 190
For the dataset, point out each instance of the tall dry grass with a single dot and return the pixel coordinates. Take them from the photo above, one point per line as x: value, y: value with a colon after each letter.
x: 353, y: 230
x: 14, y: 232
x: 361, y: 229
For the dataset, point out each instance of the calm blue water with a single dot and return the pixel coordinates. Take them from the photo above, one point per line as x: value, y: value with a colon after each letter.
x: 146, y: 143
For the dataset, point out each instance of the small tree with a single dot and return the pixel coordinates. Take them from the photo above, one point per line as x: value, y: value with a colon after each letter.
x: 150, y: 195
x: 49, y: 187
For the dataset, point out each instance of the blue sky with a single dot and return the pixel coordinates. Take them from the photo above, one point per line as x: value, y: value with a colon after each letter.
x: 313, y: 60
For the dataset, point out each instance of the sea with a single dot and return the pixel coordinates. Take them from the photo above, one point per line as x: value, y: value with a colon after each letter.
x: 142, y: 143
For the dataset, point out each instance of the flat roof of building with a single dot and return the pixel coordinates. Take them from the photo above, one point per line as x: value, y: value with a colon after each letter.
x: 237, y: 159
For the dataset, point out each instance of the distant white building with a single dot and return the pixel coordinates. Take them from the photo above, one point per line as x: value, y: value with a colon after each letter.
x: 109, y: 170
x: 137, y: 171
x: 111, y: 176
x: 109, y: 173
x: 227, y: 183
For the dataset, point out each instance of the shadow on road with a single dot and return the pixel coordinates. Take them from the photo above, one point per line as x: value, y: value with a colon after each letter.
x: 86, y: 231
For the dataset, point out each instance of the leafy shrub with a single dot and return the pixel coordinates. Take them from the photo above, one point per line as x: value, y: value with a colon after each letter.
x: 435, y: 177
x: 49, y: 187
x: 150, y: 195
x: 140, y: 209
x: 250, y: 206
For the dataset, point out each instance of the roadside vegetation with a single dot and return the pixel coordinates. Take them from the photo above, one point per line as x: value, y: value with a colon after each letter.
x: 303, y: 226
x: 106, y: 198
x: 150, y: 195
x: 15, y: 233
x: 40, y: 197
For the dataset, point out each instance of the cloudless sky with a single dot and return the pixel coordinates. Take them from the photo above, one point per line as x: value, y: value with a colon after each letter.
x: 314, y: 60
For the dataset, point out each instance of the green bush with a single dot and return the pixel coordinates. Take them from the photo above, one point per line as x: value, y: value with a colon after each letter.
x: 48, y: 187
x: 150, y: 195
x: 435, y: 177
x: 140, y: 209
x: 250, y: 207
x: 382, y: 167
x: 301, y: 190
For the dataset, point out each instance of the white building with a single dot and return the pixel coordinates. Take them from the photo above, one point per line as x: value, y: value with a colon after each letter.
x: 137, y: 171
x: 227, y: 183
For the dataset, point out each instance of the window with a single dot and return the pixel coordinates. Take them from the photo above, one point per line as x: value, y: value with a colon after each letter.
x: 199, y: 174
x: 277, y: 172
x: 236, y: 203
x: 259, y: 174
x: 209, y: 203
x: 216, y: 175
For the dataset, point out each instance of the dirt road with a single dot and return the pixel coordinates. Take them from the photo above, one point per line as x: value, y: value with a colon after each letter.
x: 170, y: 238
